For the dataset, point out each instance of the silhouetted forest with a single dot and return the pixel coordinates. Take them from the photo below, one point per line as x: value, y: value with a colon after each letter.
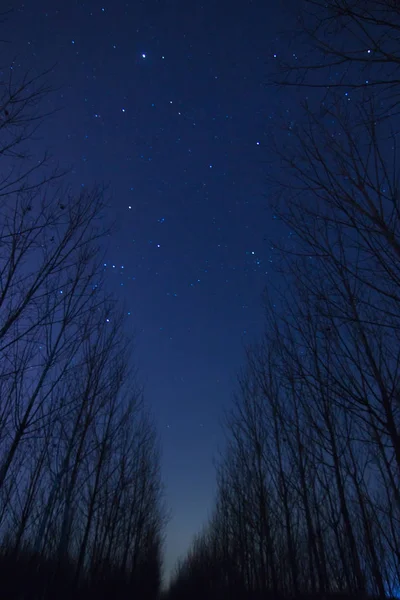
x: 308, y: 494
x: 308, y: 499
x: 81, y: 500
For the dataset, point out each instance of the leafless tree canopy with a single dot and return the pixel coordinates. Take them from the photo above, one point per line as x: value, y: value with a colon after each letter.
x: 81, y: 501
x: 308, y: 488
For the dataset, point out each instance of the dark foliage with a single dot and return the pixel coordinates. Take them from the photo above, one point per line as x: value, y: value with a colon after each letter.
x: 29, y: 576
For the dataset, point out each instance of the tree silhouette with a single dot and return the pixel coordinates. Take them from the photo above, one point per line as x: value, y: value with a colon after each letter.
x: 308, y: 487
x: 81, y: 501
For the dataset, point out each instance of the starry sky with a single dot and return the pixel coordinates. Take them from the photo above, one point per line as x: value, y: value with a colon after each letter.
x: 166, y: 102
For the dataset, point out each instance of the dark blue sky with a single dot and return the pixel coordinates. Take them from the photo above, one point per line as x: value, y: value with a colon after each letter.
x: 166, y: 102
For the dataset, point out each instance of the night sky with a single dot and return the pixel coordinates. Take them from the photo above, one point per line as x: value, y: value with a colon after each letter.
x: 167, y: 103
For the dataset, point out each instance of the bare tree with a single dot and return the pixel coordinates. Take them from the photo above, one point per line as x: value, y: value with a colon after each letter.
x: 48, y: 287
x: 344, y: 45
x: 308, y: 491
x: 80, y: 481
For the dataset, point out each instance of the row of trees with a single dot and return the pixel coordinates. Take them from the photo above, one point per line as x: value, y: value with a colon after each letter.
x: 81, y: 503
x: 308, y: 499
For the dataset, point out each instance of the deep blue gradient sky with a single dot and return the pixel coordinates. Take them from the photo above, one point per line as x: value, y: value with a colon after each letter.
x: 166, y: 102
